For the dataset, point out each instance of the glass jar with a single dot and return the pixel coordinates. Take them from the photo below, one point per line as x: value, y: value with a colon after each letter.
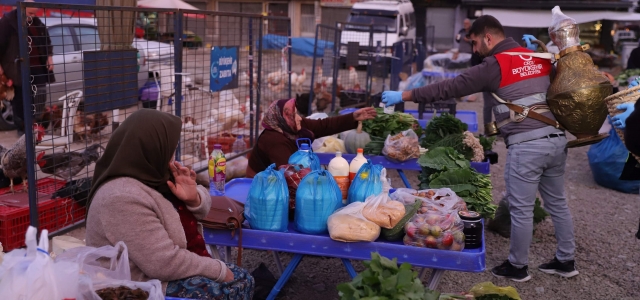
x: 472, y: 229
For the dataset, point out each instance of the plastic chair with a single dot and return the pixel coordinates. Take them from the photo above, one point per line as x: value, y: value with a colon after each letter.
x: 69, y: 108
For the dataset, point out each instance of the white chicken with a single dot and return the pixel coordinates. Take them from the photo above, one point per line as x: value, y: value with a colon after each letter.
x: 298, y: 80
x: 274, y: 78
x: 319, y: 78
x: 353, y: 77
x: 243, y: 80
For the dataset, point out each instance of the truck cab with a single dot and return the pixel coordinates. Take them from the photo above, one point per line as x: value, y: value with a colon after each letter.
x: 392, y: 20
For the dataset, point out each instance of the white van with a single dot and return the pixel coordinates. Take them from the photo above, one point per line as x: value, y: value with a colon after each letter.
x: 394, y: 21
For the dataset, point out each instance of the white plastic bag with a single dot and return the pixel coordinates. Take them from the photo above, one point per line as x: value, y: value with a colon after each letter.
x: 60, y: 244
x: 442, y: 200
x: 328, y: 144
x: 380, y: 209
x: 29, y: 274
x: 348, y: 225
x: 402, y: 146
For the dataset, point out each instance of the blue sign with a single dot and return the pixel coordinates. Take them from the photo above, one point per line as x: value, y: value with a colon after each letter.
x: 224, y: 68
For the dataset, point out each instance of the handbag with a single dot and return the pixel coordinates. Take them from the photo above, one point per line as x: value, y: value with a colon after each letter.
x: 226, y: 214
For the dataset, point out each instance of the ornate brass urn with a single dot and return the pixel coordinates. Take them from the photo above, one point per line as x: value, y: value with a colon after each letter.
x: 576, y: 95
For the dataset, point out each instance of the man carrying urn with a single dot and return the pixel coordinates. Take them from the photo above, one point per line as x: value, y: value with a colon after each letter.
x: 536, y: 143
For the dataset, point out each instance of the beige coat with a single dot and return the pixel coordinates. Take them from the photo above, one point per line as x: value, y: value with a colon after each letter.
x: 126, y: 210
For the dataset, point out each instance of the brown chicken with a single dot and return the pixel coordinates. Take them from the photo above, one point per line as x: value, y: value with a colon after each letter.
x: 81, y: 126
x: 52, y: 116
x: 14, y: 160
x: 68, y: 164
x: 97, y: 122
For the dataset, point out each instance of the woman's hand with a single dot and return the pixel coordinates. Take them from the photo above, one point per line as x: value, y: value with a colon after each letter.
x: 50, y: 63
x: 229, y: 277
x: 185, y: 186
x: 367, y: 113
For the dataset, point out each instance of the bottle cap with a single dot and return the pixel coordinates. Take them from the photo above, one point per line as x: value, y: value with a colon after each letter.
x: 360, y: 150
x: 217, y: 146
x: 240, y: 136
x: 304, y: 147
x: 338, y: 154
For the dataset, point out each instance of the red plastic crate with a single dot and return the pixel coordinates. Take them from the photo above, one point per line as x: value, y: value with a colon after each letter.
x: 52, y: 215
x: 45, y: 186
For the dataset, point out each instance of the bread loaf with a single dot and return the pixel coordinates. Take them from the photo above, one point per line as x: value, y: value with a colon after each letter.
x: 351, y: 228
x: 385, y: 215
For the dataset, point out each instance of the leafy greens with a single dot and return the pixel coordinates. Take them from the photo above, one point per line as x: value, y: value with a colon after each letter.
x: 440, y: 127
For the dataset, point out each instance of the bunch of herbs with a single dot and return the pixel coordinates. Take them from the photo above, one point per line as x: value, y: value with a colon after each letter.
x: 440, y: 127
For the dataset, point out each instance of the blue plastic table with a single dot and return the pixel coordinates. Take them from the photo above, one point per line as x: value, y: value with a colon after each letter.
x: 410, y: 165
x: 299, y: 244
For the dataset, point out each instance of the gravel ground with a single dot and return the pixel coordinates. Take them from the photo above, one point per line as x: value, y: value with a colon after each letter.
x: 607, y: 251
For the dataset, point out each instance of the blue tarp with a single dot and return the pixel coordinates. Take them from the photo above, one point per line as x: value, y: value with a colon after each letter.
x: 301, y: 45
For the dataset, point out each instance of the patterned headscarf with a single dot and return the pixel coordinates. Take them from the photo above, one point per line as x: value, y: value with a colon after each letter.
x: 281, y: 117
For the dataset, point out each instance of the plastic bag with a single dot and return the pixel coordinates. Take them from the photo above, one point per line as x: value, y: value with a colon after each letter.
x: 560, y: 20
x: 366, y: 183
x: 349, y: 225
x: 328, y: 144
x: 319, y: 196
x: 443, y: 200
x: 397, y: 232
x: 607, y: 159
x: 293, y: 174
x: 488, y: 288
x: 402, y: 146
x: 306, y: 158
x: 153, y: 287
x: 60, y: 244
x: 435, y: 230
x: 380, y: 209
x: 267, y: 205
x: 30, y: 273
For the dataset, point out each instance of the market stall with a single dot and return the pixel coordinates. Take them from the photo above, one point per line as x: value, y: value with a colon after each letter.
x: 301, y: 245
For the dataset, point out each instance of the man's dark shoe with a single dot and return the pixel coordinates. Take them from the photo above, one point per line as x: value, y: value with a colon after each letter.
x: 565, y: 269
x: 509, y: 271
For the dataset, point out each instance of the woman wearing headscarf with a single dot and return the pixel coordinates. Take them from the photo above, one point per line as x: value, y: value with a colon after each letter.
x: 141, y: 196
x: 283, y: 126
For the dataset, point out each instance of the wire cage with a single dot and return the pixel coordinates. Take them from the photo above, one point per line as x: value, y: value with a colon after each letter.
x: 85, y: 72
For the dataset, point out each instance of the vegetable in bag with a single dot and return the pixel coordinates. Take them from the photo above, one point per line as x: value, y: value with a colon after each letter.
x: 348, y: 225
x: 317, y: 198
x: 366, y: 183
x: 305, y: 156
x: 293, y: 174
x: 380, y: 209
x: 267, y: 204
x: 435, y: 230
x: 402, y: 146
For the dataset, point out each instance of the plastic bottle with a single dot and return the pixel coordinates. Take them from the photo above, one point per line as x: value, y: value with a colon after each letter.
x: 356, y: 163
x: 217, y: 171
x: 339, y: 169
x: 304, y: 148
x: 239, y: 145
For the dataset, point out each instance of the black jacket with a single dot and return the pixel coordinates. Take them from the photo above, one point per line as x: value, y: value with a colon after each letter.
x: 10, y: 49
x: 631, y: 169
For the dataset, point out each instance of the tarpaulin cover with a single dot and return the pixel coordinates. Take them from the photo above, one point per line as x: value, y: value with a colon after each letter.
x: 302, y: 46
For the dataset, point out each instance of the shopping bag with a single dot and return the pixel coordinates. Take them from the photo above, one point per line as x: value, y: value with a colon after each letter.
x: 29, y: 273
x: 317, y: 198
x: 380, y: 209
x: 366, y: 183
x: 267, y: 205
x: 607, y: 159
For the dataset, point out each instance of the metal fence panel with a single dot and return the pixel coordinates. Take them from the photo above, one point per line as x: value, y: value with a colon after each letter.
x: 324, y: 87
x: 213, y: 82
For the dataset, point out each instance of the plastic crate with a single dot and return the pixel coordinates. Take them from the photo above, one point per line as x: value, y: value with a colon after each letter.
x: 466, y: 116
x: 45, y: 186
x: 52, y: 215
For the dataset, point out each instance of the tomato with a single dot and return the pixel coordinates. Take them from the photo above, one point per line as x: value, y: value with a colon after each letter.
x: 447, y: 239
x: 436, y: 231
x: 431, y: 242
x: 425, y: 229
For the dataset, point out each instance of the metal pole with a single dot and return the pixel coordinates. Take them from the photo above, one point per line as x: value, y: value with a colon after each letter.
x: 177, y: 44
x: 260, y: 35
x: 27, y: 98
x: 289, y: 54
x: 251, y: 112
x: 334, y: 87
x: 313, y: 71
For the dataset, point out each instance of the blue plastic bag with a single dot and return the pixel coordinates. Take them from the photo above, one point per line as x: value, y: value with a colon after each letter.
x: 267, y: 205
x: 366, y: 183
x: 318, y: 196
x: 305, y: 156
x: 607, y: 159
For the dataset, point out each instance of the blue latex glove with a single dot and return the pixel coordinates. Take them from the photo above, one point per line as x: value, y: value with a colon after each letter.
x: 529, y: 38
x: 633, y: 83
x: 390, y: 98
x: 620, y: 120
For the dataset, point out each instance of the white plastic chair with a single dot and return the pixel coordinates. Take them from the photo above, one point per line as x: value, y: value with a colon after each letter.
x: 69, y: 108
